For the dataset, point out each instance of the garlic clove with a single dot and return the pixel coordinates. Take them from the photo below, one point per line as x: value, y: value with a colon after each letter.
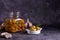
x: 30, y: 24
x: 26, y: 24
x: 6, y: 35
x: 2, y: 34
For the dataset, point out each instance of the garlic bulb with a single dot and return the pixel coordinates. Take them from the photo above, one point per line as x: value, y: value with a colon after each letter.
x: 6, y: 35
x: 28, y: 23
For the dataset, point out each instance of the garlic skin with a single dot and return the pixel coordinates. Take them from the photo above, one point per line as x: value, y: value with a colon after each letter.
x: 28, y: 23
x: 6, y: 35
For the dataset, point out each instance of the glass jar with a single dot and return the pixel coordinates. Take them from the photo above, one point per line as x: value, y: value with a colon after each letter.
x: 14, y: 25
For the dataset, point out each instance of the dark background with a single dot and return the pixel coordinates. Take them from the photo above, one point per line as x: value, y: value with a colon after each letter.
x: 45, y: 12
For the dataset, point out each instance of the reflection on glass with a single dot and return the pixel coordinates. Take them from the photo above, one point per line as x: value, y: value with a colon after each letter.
x: 17, y: 14
x: 11, y: 15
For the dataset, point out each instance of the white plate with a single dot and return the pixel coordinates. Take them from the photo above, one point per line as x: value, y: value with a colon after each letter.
x: 34, y: 32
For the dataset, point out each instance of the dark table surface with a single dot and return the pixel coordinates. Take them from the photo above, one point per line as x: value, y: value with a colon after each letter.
x: 46, y: 34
